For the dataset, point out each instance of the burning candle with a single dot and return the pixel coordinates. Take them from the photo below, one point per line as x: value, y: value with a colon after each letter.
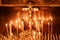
x: 22, y: 25
x: 7, y: 27
x: 34, y: 35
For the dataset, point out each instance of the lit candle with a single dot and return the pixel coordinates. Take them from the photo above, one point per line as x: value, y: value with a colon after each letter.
x: 43, y: 18
x: 51, y: 26
x: 34, y: 35
x: 35, y: 19
x: 48, y: 36
x: 26, y: 17
x: 39, y: 35
x: 35, y: 9
x: 17, y: 26
x: 30, y: 24
x: 19, y: 20
x: 37, y: 25
x: 22, y: 25
x: 54, y: 37
x: 48, y: 30
x: 7, y: 27
x: 10, y: 28
x: 42, y: 28
x: 35, y: 16
x: 11, y: 22
x: 45, y: 37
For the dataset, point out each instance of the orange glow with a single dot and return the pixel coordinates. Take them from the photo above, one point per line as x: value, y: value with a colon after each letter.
x: 30, y: 15
x: 22, y: 23
x: 39, y: 18
x: 24, y: 9
x: 29, y: 11
x: 16, y: 21
x: 27, y: 18
x: 36, y: 23
x: 39, y: 33
x: 48, y: 23
x: 47, y: 19
x: 43, y: 18
x: 35, y: 9
x: 11, y: 22
x: 35, y: 19
x: 29, y: 23
x: 19, y: 26
x: 34, y: 33
x: 18, y: 14
x: 41, y: 21
x: 51, y: 18
x: 6, y: 24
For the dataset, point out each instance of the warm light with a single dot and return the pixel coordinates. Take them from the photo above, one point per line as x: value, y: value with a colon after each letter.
x: 19, y: 26
x: 29, y: 15
x: 11, y: 22
x: 18, y: 14
x: 34, y: 33
x: 34, y: 18
x: 30, y: 25
x: 27, y: 18
x: 43, y: 18
x: 29, y: 11
x: 35, y: 9
x: 41, y: 21
x: 51, y: 18
x: 29, y: 22
x: 39, y: 33
x: 16, y: 21
x: 48, y: 23
x: 6, y: 24
x: 22, y: 22
x: 36, y: 23
x: 39, y: 18
x: 24, y: 9
x: 11, y: 33
x: 47, y: 19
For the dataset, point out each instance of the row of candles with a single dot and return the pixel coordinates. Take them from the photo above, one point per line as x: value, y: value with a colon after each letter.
x: 20, y: 24
x: 54, y: 37
x: 38, y: 23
